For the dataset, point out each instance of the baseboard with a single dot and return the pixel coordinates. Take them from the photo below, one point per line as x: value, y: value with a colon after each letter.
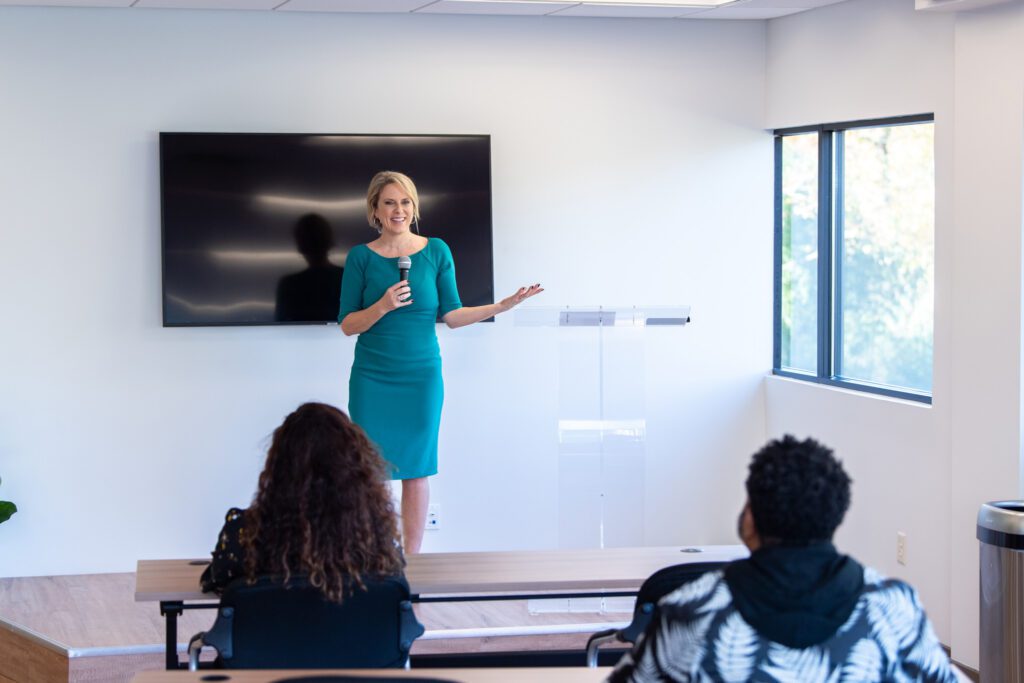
x: 967, y: 671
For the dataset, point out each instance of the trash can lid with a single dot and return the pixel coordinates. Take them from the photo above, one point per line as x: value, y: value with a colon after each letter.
x: 1005, y: 517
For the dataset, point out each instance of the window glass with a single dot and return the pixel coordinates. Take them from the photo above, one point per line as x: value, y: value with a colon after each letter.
x: 887, y: 250
x: 798, y: 337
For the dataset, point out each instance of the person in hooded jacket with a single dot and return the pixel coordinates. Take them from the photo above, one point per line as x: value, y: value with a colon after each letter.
x: 796, y: 609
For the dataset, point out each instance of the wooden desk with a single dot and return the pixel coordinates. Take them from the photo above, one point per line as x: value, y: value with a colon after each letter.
x: 435, y: 577
x: 559, y: 572
x: 511, y: 675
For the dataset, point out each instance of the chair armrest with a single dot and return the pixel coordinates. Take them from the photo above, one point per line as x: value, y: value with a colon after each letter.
x: 218, y: 637
x: 596, y: 641
x: 409, y: 628
x: 195, y: 646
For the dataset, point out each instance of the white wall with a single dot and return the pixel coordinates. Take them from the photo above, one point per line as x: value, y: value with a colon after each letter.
x: 630, y: 165
x: 986, y: 289
x: 917, y: 469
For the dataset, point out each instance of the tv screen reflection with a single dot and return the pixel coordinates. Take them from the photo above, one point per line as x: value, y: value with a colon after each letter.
x: 257, y: 227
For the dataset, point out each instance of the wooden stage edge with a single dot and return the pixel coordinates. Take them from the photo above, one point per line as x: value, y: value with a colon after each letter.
x: 31, y: 657
x: 28, y: 655
x: 88, y: 628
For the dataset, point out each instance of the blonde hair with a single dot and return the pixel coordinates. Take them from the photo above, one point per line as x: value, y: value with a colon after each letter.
x: 377, y: 185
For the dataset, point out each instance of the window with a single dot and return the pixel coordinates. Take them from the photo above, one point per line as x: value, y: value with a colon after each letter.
x: 854, y: 254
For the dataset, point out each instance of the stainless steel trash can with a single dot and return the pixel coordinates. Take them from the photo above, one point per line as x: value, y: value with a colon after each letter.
x: 1001, y: 532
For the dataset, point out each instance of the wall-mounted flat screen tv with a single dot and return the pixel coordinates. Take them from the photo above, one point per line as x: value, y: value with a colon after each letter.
x: 257, y: 227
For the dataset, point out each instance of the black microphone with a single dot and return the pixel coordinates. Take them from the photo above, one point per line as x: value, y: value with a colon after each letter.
x: 404, y: 264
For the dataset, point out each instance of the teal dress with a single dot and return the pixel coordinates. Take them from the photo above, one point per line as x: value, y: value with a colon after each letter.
x: 395, y: 390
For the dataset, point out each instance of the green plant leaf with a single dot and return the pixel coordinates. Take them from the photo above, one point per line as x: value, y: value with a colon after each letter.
x: 7, y: 509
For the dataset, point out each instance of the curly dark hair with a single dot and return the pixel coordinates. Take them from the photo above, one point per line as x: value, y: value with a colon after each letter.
x: 798, y: 492
x: 323, y: 507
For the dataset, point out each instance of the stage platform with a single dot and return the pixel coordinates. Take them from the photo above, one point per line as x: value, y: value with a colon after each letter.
x: 58, y: 629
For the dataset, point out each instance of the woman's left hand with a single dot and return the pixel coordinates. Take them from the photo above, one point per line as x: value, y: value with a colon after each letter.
x: 521, y: 295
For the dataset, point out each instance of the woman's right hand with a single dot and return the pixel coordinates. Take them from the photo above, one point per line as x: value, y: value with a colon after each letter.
x: 396, y: 296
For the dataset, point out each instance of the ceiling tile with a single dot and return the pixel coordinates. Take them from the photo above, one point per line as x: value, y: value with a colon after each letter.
x: 783, y: 4
x: 209, y: 4
x: 652, y: 9
x: 636, y: 11
x: 744, y: 13
x: 483, y: 7
x: 68, y: 3
x: 352, y: 5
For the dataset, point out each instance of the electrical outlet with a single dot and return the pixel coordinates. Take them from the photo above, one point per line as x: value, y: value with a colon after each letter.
x: 434, y: 516
x: 901, y: 547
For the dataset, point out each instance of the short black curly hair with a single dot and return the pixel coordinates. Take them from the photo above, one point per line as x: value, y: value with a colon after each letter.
x: 798, y: 491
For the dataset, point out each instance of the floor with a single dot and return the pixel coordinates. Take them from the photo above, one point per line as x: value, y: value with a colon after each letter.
x: 89, y: 628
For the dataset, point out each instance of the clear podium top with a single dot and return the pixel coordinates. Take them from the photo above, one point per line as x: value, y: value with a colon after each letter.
x: 601, y: 316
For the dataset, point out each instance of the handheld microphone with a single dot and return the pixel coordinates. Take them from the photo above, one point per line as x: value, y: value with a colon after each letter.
x: 404, y: 264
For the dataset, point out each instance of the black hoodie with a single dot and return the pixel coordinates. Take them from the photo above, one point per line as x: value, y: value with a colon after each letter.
x: 796, y: 596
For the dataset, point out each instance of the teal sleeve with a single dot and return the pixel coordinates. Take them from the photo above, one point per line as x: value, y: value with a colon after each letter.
x: 447, y: 289
x: 353, y: 281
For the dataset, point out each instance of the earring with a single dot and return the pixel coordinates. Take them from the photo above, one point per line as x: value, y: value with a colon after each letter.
x: 416, y: 224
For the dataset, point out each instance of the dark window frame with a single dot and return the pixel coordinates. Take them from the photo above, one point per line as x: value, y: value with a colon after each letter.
x: 830, y: 235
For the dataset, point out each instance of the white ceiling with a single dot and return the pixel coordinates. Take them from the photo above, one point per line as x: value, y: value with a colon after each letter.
x: 648, y: 9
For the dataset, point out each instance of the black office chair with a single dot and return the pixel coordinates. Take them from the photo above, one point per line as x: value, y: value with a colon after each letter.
x: 658, y: 585
x: 267, y: 625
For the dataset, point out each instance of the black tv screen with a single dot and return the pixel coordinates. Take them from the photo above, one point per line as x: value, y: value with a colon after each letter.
x: 257, y: 227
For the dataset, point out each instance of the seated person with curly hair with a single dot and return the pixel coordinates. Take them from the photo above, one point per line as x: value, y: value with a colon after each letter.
x: 796, y: 609
x: 323, y: 510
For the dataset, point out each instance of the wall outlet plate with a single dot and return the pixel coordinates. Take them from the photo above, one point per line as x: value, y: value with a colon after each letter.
x: 434, y: 516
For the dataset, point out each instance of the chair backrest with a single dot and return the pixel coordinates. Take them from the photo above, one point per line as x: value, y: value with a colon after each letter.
x: 268, y: 625
x: 658, y: 585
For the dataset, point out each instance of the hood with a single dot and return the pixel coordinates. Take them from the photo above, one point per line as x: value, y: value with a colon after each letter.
x: 797, y: 596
